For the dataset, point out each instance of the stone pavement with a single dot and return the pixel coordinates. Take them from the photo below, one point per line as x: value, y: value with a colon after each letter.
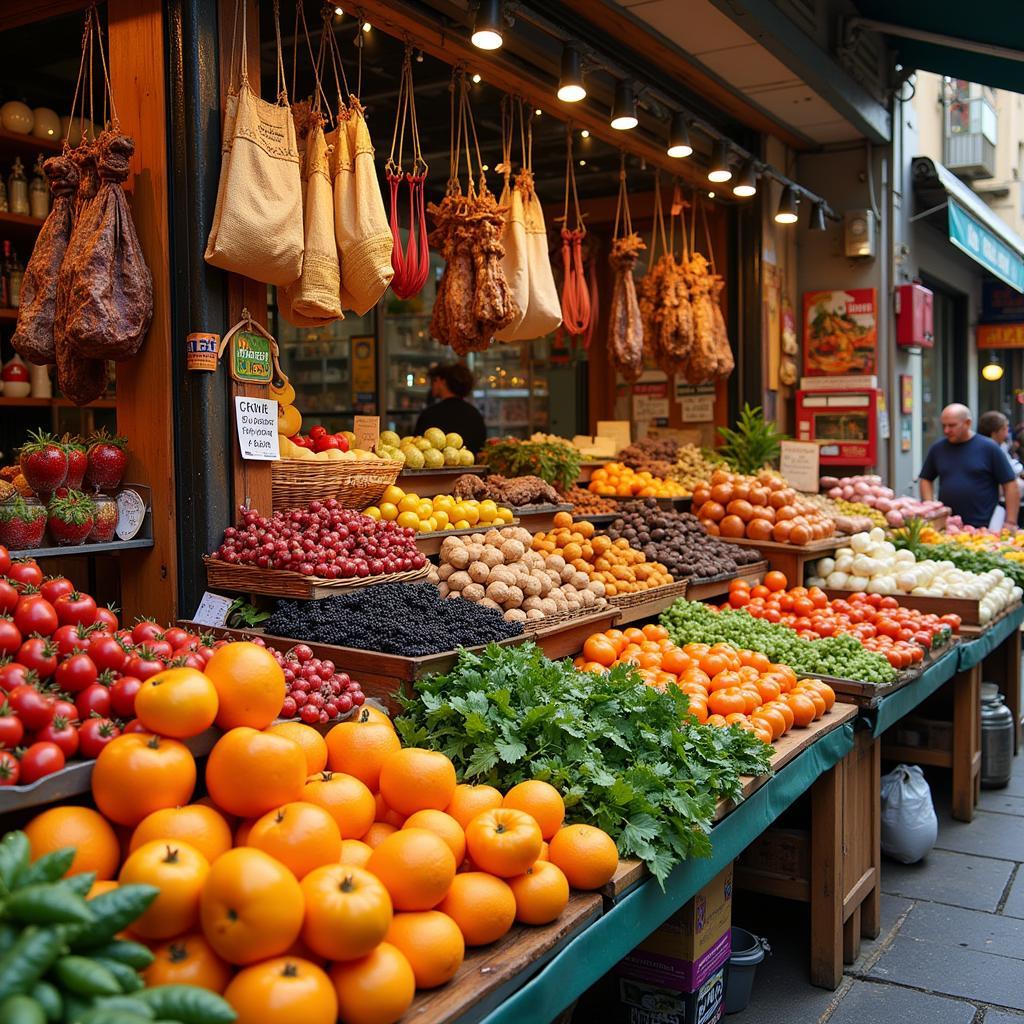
x: 951, y: 949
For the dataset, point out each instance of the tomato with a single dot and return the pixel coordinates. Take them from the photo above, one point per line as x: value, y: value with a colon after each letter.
x: 188, y: 659
x: 160, y: 649
x: 10, y: 635
x: 145, y: 631
x: 75, y: 609
x: 61, y: 732
x: 951, y: 620
x: 107, y: 654
x: 12, y: 674
x: 26, y: 571
x: 32, y: 707
x: 11, y: 729
x: 8, y: 596
x: 34, y: 614
x: 76, y: 673
x: 122, y: 696
x: 135, y: 726
x: 178, y: 637
x: 70, y: 639
x: 66, y: 709
x: 39, y: 655
x: 95, y: 734
x: 10, y: 769
x: 93, y: 700
x: 142, y: 666
x: 327, y: 442
x: 888, y: 602
x: 55, y: 586
x: 5, y: 560
x: 107, y: 617
x: 739, y: 598
x: 40, y: 759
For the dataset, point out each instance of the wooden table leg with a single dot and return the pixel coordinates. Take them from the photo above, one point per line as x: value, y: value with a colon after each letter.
x: 966, y: 742
x: 826, y: 879
x: 871, y: 908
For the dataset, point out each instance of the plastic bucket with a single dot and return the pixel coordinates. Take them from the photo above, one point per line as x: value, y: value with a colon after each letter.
x: 747, y: 952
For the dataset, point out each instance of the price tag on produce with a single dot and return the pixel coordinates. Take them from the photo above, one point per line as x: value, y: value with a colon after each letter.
x: 213, y: 610
x: 799, y: 464
x: 367, y: 431
x: 256, y: 423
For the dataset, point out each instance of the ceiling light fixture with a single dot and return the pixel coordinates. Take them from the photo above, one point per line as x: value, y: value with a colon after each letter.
x: 537, y: 112
x: 817, y: 217
x: 476, y: 79
x: 338, y: 11
x: 570, y: 82
x: 786, y: 213
x: 993, y: 369
x: 745, y: 185
x: 488, y: 25
x: 679, y: 136
x: 718, y: 170
x: 367, y: 26
x: 624, y: 108
x: 584, y: 134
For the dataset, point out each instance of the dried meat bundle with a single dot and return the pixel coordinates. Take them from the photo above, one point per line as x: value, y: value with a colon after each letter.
x: 33, y: 339
x: 704, y: 362
x: 576, y: 308
x: 625, y: 323
x: 726, y: 360
x: 493, y: 303
x: 110, y: 301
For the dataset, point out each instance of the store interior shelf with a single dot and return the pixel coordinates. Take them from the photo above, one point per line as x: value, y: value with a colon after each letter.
x: 8, y: 314
x: 29, y: 145
x: 59, y: 403
x: 18, y: 221
x: 113, y: 548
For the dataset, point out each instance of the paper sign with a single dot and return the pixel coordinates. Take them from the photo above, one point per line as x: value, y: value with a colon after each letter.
x: 367, y: 431
x: 617, y: 429
x: 256, y: 423
x: 131, y: 511
x: 650, y: 401
x: 799, y: 464
x: 213, y: 610
x: 697, y: 408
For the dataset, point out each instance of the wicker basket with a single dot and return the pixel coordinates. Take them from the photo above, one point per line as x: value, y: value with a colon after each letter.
x: 356, y: 484
x: 670, y: 590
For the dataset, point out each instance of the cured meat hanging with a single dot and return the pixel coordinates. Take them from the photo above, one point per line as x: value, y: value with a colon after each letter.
x: 625, y: 325
x: 410, y: 262
x: 576, y: 308
x: 726, y: 360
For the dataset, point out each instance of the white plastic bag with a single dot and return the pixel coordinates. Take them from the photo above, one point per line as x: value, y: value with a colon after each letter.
x: 909, y: 825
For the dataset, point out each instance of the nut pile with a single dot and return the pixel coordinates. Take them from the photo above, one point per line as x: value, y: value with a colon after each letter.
x: 656, y: 455
x: 693, y: 467
x: 499, y: 569
x: 677, y: 540
x: 586, y: 503
x: 515, y: 491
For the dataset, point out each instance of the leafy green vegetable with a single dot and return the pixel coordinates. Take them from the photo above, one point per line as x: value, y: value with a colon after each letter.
x: 841, y: 656
x: 754, y: 443
x: 557, y: 464
x: 624, y: 756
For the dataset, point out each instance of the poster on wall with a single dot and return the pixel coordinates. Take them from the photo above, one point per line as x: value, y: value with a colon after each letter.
x: 840, y: 332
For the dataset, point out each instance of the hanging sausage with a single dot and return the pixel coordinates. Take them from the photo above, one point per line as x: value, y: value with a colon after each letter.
x: 576, y: 309
x: 625, y: 325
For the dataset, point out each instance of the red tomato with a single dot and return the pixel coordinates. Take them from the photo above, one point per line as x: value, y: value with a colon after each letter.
x: 134, y: 726
x: 32, y: 707
x: 178, y: 637
x: 40, y: 759
x: 122, y: 696
x: 951, y: 620
x: 10, y: 635
x: 8, y: 596
x: 26, y: 571
x: 145, y: 631
x: 107, y: 617
x: 66, y: 709
x: 39, y: 655
x: 160, y: 649
x: 107, y: 654
x: 888, y: 602
x: 5, y: 560
x: 326, y: 442
x: 76, y: 673
x: 11, y: 729
x: 739, y: 598
x: 95, y: 734
x: 75, y: 609
x: 142, y: 666
x: 93, y: 700
x: 10, y: 769
x: 34, y: 614
x: 70, y: 639
x: 59, y: 731
x: 12, y: 675
x: 55, y: 586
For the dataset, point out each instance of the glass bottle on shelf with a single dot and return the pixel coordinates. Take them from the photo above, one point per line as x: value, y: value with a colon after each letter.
x: 5, y: 289
x: 38, y: 192
x: 3, y: 195
x: 17, y: 189
x: 14, y: 279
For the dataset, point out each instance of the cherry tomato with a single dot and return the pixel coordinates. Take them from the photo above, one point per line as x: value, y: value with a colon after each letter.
x: 72, y: 638
x: 159, y: 649
x: 95, y: 734
x: 10, y: 769
x: 39, y: 655
x: 135, y: 726
x: 8, y: 596
x: 108, y: 617
x: 75, y: 609
x: 142, y: 666
x: 66, y: 709
x: 34, y: 614
x: 32, y: 707
x: 11, y: 729
x: 12, y: 674
x: 62, y: 732
x: 145, y: 630
x: 188, y: 659
x: 5, y: 560
x: 76, y: 673
x: 177, y: 637
x: 40, y: 759
x: 122, y: 696
x: 107, y: 654
x: 10, y: 635
x: 55, y: 586
x: 93, y: 700
x: 26, y: 571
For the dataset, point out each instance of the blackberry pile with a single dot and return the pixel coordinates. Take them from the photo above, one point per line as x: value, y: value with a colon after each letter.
x: 408, y: 619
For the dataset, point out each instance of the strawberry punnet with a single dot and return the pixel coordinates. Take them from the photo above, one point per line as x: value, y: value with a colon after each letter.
x: 71, y: 518
x: 108, y: 457
x: 22, y: 525
x: 44, y: 463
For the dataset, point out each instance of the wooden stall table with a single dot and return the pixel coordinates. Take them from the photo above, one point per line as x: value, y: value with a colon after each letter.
x: 788, y: 558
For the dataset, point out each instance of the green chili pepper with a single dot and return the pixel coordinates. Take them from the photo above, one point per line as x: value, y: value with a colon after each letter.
x: 21, y: 1010
x: 14, y: 857
x: 85, y: 977
x: 29, y: 959
x: 49, y: 868
x: 127, y: 977
x: 188, y: 1004
x: 47, y: 904
x: 49, y: 998
x: 80, y: 884
x: 112, y: 912
x: 134, y: 954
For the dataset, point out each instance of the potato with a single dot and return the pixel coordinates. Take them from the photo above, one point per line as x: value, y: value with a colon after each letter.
x: 567, y: 574
x: 458, y: 580
x: 596, y: 587
x: 476, y: 538
x: 587, y: 597
x: 488, y: 603
x: 459, y: 558
x: 502, y: 574
x: 497, y: 592
x: 515, y: 615
x: 515, y: 598
x: 530, y: 603
x: 479, y: 571
x: 492, y: 556
x: 492, y: 537
x: 530, y: 586
x: 579, y: 580
x: 442, y: 589
x: 556, y: 562
x: 448, y: 545
x: 534, y: 613
x: 473, y: 592
x: 474, y: 551
x: 513, y: 550
x: 548, y: 606
x: 545, y: 585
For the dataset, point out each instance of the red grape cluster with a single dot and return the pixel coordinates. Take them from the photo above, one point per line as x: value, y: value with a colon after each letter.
x: 324, y: 539
x: 316, y: 692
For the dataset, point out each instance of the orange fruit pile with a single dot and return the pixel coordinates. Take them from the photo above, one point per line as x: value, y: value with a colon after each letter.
x: 624, y: 482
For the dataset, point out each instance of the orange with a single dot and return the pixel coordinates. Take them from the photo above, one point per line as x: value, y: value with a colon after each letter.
x: 468, y: 801
x: 375, y: 990
x: 773, y: 716
x: 541, y: 893
x: 96, y: 845
x: 727, y: 701
x: 101, y: 886
x: 355, y: 852
x: 345, y: 798
x: 443, y: 825
x: 481, y: 905
x: 178, y: 702
x: 414, y: 779
x: 587, y: 856
x: 377, y: 833
x: 251, y: 906
x: 817, y: 699
x: 504, y: 842
x: 600, y: 649
x: 136, y: 774
x: 348, y: 912
x: 360, y: 748
x: 431, y: 942
x: 541, y: 801
x: 198, y: 825
x: 783, y: 709
x: 250, y: 685
x: 386, y: 814
x: 282, y: 991
x: 823, y: 688
x: 179, y: 871
x: 301, y: 836
x: 416, y: 867
x: 314, y: 746
x: 188, y: 960
x: 369, y: 714
x: 248, y: 772
x: 544, y: 850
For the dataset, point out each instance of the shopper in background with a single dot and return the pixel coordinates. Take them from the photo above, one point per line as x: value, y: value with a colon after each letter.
x: 971, y: 470
x: 996, y: 426
x: 450, y: 383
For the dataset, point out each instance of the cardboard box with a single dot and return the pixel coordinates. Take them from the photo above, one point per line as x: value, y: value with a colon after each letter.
x: 675, y: 975
x: 925, y: 733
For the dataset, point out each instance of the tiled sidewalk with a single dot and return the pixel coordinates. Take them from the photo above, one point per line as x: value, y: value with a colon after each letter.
x: 951, y: 949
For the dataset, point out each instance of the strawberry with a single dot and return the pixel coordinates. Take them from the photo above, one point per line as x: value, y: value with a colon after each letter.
x: 106, y: 520
x: 108, y: 457
x: 78, y: 462
x: 44, y: 463
x: 71, y: 518
x: 22, y: 524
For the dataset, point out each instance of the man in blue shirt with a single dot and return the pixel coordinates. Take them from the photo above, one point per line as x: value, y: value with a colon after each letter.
x: 971, y: 469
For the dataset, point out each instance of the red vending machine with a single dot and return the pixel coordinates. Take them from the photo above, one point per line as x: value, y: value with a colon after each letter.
x: 844, y: 423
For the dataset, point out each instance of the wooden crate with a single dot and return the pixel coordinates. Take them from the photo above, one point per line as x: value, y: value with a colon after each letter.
x: 788, y: 558
x: 249, y: 579
x: 969, y: 610
x: 718, y: 586
x: 539, y: 518
x: 429, y: 482
x: 430, y: 543
x: 565, y: 639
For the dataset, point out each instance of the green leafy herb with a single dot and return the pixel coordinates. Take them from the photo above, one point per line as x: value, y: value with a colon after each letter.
x: 754, y: 443
x: 242, y: 615
x: 624, y: 756
x: 557, y: 464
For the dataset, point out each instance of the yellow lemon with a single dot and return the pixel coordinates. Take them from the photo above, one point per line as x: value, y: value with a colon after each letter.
x: 373, y: 512
x: 409, y: 503
x: 441, y: 518
x: 424, y: 526
x: 394, y: 494
x: 462, y: 524
x: 471, y: 512
x: 505, y: 515
x: 434, y: 526
x: 409, y: 520
x: 388, y: 511
x: 424, y: 509
x: 488, y: 510
x: 444, y: 502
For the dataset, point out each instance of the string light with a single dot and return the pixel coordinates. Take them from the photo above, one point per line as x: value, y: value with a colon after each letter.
x: 476, y: 79
x: 584, y: 134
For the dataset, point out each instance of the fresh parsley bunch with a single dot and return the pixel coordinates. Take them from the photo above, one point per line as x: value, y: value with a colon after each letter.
x: 624, y: 756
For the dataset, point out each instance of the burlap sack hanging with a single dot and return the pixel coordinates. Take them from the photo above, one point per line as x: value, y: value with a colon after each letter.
x: 260, y: 230
x: 515, y: 262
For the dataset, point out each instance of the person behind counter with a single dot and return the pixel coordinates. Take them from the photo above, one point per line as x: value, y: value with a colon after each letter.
x: 450, y: 383
x: 971, y: 470
x: 996, y: 426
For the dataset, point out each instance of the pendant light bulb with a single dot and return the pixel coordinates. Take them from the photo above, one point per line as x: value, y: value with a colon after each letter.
x: 786, y: 213
x: 746, y: 181
x: 488, y: 25
x: 719, y: 169
x: 570, y: 82
x: 817, y: 217
x: 624, y: 108
x: 679, y: 137
x: 993, y: 369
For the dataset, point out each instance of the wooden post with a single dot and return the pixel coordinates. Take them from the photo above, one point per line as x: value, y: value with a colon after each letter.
x: 826, y: 879
x: 1002, y: 666
x: 966, y: 742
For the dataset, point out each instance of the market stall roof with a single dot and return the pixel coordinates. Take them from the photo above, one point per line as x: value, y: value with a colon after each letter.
x: 943, y: 36
x: 972, y: 226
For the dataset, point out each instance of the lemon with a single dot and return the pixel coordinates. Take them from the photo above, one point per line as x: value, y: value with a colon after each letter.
x: 505, y: 515
x: 434, y: 525
x: 409, y: 520
x: 388, y: 511
x: 454, y: 440
x: 423, y: 526
x: 466, y: 457
x: 422, y: 443
x: 433, y: 459
x: 441, y: 518
x: 394, y: 494
x: 444, y: 502
x: 435, y: 437
x: 373, y: 512
x: 409, y: 502
x: 471, y: 513
x: 462, y: 524
x: 450, y: 455
x: 488, y: 510
x: 424, y: 509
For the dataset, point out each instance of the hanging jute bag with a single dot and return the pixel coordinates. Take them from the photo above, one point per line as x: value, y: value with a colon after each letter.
x: 258, y: 219
x: 515, y: 262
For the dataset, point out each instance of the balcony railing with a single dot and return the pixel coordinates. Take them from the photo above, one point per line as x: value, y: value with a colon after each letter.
x: 970, y: 138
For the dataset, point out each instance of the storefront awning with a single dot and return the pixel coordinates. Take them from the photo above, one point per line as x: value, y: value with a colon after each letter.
x: 985, y: 46
x: 972, y: 226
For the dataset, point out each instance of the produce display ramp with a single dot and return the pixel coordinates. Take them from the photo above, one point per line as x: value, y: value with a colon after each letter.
x: 718, y: 586
x: 565, y: 637
x: 490, y: 973
x: 788, y: 558
x: 967, y: 629
x: 248, y: 579
x: 430, y: 543
x: 969, y: 610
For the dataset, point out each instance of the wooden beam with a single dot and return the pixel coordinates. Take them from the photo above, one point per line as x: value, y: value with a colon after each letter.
x: 144, y: 384
x: 23, y: 12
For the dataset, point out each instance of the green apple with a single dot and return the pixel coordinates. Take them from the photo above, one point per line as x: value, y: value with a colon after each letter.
x: 433, y: 459
x: 436, y: 437
x: 413, y: 456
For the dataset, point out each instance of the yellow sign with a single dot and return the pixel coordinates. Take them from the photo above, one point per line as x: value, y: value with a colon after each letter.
x: 1000, y: 335
x: 364, y: 366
